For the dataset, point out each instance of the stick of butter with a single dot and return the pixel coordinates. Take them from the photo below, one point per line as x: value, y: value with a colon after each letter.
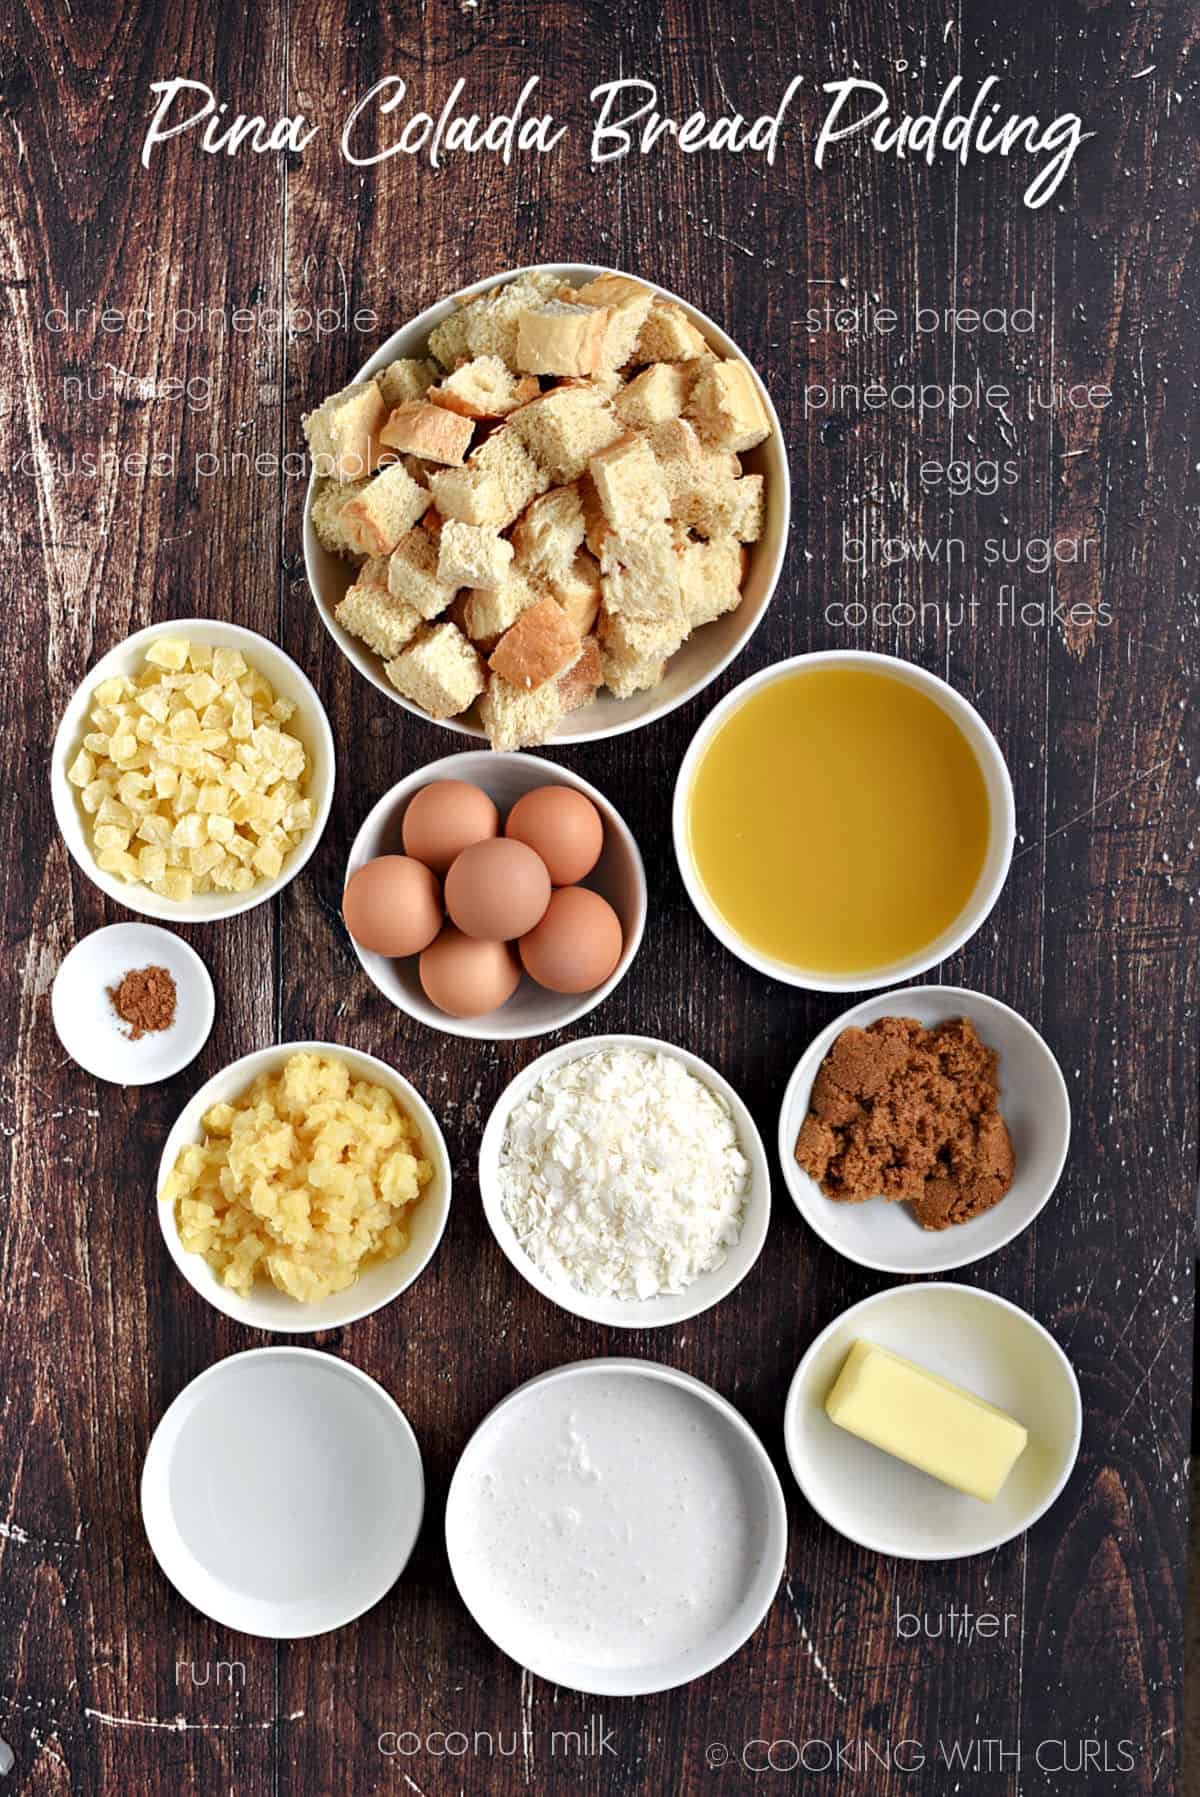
x: 924, y: 1419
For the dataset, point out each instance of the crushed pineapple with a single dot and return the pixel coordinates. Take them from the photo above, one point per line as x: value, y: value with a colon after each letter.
x: 304, y: 1179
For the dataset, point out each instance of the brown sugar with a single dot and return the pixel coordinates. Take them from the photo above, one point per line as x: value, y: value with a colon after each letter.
x: 909, y: 1114
x: 145, y: 1000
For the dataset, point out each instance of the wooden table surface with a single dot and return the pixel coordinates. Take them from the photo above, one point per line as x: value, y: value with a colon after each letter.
x: 109, y: 1682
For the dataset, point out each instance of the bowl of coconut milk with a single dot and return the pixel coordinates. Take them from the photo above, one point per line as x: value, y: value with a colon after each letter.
x: 616, y: 1527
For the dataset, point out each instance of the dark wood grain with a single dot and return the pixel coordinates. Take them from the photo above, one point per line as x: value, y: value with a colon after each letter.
x: 1093, y: 938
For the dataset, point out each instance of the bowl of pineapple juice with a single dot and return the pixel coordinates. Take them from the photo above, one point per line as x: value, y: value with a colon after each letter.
x: 843, y: 821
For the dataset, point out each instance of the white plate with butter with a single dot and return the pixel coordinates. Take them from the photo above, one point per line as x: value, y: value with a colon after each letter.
x: 991, y: 1349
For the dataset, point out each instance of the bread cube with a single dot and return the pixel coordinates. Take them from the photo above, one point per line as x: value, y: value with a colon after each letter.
x: 374, y: 521
x: 727, y: 407
x: 580, y: 683
x: 487, y: 612
x: 564, y: 429
x: 547, y: 536
x: 658, y: 393
x: 515, y: 718
x: 448, y: 340
x: 578, y: 591
x: 629, y: 303
x: 668, y: 335
x: 641, y: 580
x: 369, y: 612
x: 484, y: 388
x: 684, y: 458
x: 492, y: 320
x: 561, y: 337
x: 439, y: 671
x: 412, y: 574
x: 498, y: 481
x: 472, y: 555
x: 607, y: 382
x: 634, y: 652
x: 630, y: 487
x: 539, y: 646
x: 430, y: 432
x: 342, y: 433
x: 727, y: 508
x: 329, y: 497
x: 710, y: 580
x: 406, y: 379
x: 701, y: 483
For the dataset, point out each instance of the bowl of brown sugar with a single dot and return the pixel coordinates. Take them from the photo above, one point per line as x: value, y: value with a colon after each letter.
x: 133, y: 1004
x: 924, y: 1129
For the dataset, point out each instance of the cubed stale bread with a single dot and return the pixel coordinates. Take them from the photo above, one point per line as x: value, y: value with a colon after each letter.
x: 546, y: 503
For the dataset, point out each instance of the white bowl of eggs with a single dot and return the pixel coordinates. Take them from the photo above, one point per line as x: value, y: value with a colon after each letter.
x: 495, y: 896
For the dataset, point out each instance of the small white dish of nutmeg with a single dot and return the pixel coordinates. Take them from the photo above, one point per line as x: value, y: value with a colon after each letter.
x: 495, y: 896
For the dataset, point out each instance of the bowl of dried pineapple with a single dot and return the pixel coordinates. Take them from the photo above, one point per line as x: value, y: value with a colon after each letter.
x: 303, y: 1187
x: 193, y: 771
x: 553, y: 507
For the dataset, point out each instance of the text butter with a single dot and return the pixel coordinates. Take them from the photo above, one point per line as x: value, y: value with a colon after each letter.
x: 921, y: 1418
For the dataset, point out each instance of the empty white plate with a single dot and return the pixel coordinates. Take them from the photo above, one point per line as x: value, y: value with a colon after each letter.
x: 981, y: 1342
x: 283, y: 1492
x: 86, y: 1019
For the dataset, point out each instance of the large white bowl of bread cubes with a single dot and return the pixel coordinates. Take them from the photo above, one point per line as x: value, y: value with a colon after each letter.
x: 552, y: 508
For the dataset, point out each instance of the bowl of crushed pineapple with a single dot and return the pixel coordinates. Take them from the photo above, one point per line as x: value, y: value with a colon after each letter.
x: 304, y: 1187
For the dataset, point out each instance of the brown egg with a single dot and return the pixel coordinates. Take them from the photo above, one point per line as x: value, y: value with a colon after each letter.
x: 392, y: 906
x: 497, y: 890
x: 466, y: 977
x: 563, y: 827
x: 577, y: 944
x: 445, y: 818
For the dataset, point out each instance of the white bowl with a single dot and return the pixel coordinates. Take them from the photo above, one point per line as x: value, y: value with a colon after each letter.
x: 1033, y: 1103
x: 981, y: 1342
x: 620, y: 1313
x: 309, y: 723
x: 86, y: 1019
x: 619, y: 876
x: 266, y: 1307
x: 283, y: 1492
x: 1000, y: 841
x: 760, y: 1522
x: 700, y: 660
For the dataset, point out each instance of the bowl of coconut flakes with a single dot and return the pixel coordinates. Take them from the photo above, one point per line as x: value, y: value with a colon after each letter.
x: 626, y: 1181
